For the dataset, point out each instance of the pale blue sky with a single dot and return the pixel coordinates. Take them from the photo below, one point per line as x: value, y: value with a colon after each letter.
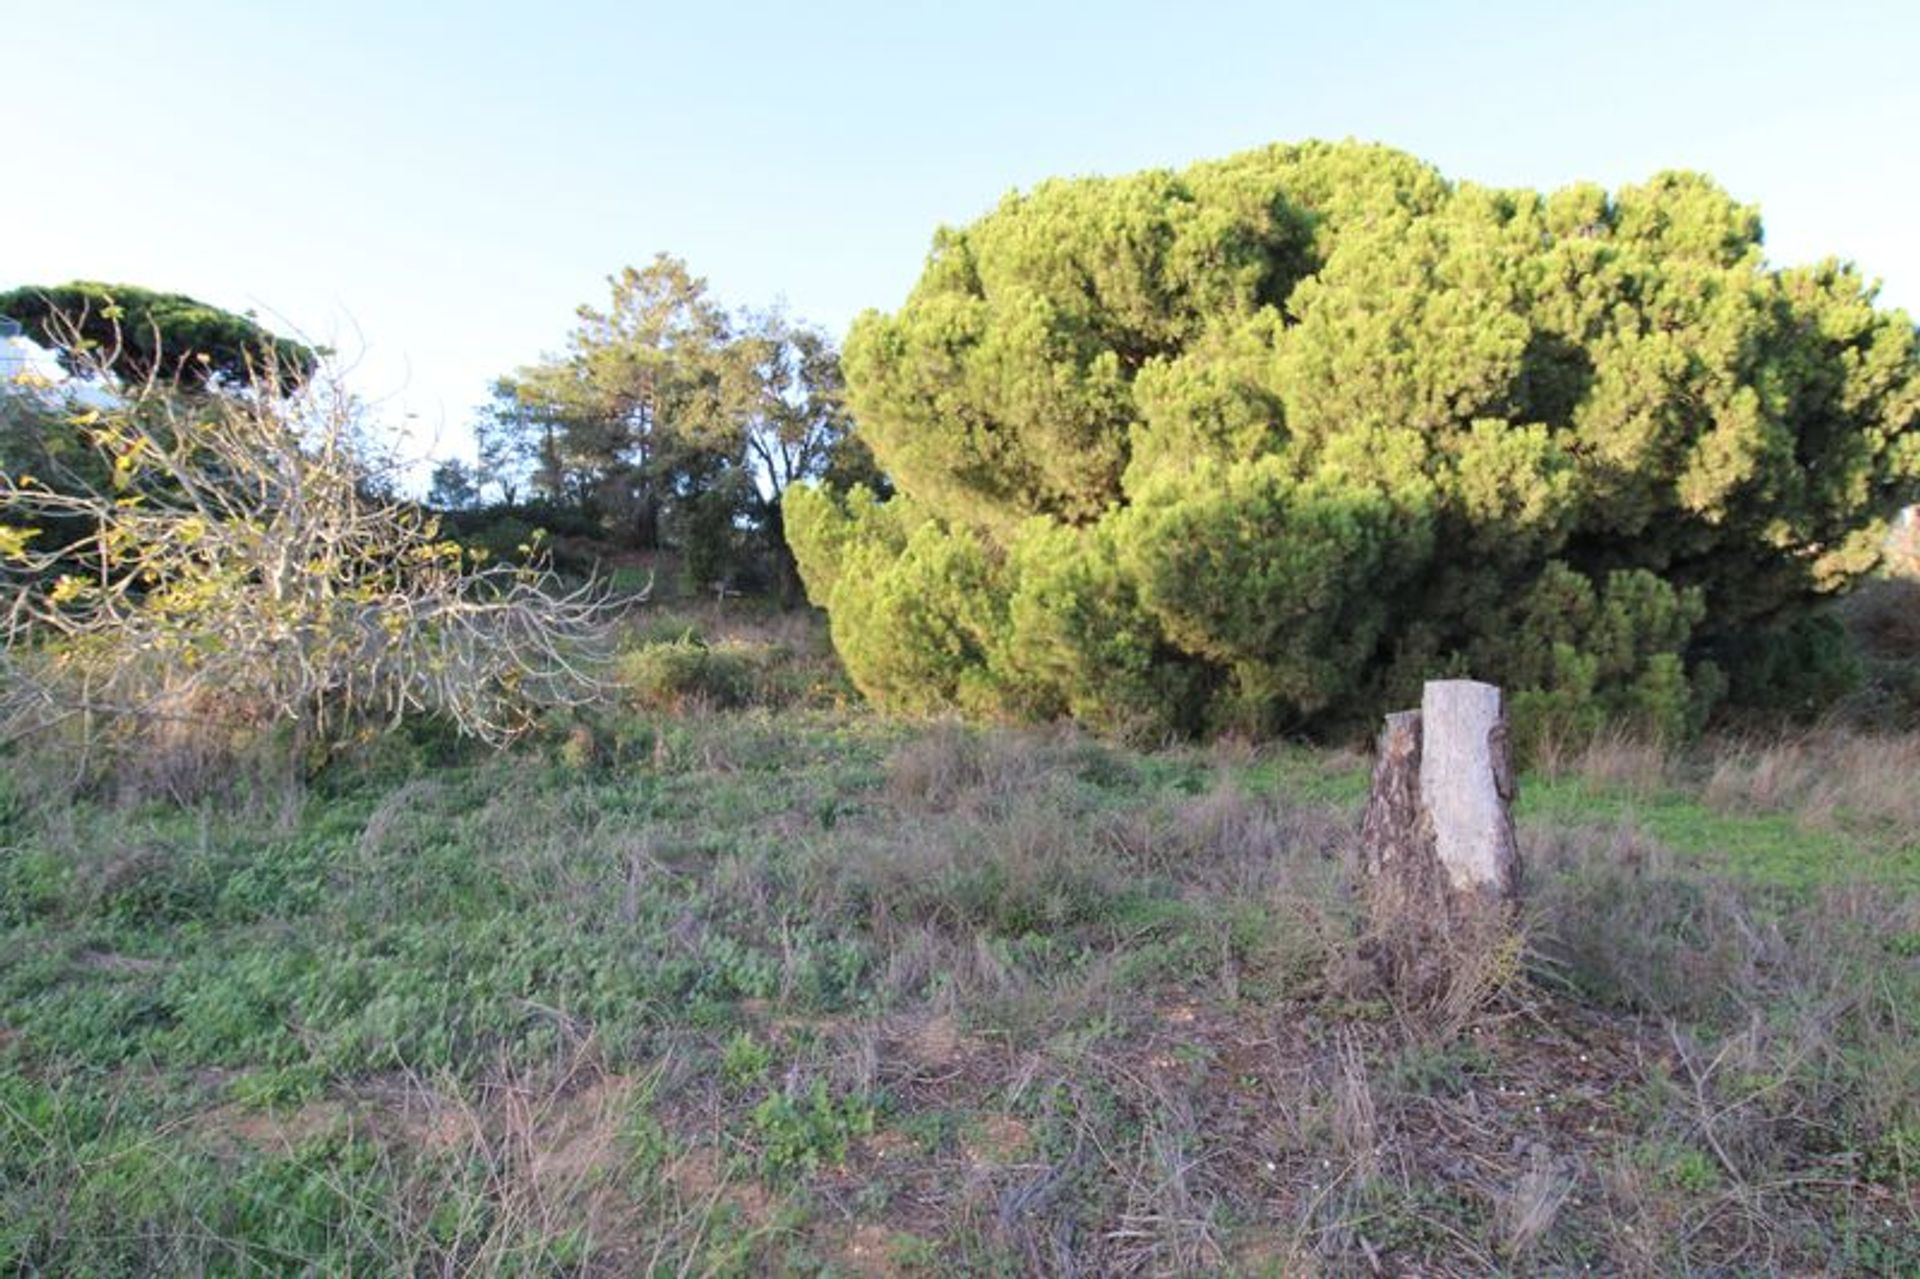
x: 435, y: 186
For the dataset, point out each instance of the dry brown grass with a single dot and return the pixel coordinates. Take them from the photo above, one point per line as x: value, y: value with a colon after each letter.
x: 1828, y: 777
x: 1527, y: 1211
x: 1609, y: 758
x: 1110, y: 1019
x: 1824, y: 778
x: 954, y: 766
x: 1787, y: 1031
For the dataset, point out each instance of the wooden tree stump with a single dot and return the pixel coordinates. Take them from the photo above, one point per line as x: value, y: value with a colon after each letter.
x: 1439, y: 864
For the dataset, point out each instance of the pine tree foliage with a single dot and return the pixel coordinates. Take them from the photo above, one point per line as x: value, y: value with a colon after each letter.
x: 142, y: 334
x: 1265, y: 442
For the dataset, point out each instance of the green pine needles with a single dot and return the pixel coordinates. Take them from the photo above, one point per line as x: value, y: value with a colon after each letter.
x: 1262, y: 444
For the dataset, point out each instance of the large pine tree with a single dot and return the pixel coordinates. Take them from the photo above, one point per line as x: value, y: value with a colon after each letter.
x: 1267, y: 441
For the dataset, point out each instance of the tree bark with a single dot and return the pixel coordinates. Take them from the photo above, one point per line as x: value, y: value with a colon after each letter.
x: 1466, y: 785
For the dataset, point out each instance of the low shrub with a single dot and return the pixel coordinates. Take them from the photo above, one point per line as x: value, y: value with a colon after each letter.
x: 1796, y: 673
x: 507, y: 538
x: 800, y: 1136
x: 1883, y: 618
x: 690, y: 674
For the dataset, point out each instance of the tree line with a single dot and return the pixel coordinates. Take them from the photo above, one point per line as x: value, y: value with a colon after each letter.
x: 1257, y: 445
x: 670, y: 421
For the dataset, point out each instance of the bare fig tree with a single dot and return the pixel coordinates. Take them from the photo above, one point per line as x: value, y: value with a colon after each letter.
x: 225, y: 557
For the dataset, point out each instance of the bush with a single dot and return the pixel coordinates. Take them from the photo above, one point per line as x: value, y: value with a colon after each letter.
x: 1884, y: 618
x: 629, y: 582
x: 1883, y: 624
x: 509, y: 539
x: 688, y: 674
x: 1264, y: 443
x: 1797, y: 672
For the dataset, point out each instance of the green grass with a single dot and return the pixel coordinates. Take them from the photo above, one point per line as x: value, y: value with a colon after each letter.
x: 815, y: 993
x: 1772, y: 849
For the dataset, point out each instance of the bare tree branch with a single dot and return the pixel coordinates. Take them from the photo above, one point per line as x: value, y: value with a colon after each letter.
x: 237, y: 563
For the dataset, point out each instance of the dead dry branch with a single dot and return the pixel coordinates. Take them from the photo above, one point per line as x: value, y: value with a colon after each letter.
x: 227, y: 559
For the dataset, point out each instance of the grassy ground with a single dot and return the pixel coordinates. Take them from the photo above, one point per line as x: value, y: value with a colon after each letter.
x: 780, y: 988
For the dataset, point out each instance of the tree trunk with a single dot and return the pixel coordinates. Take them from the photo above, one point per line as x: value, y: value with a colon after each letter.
x: 646, y: 521
x: 1466, y: 784
x: 1439, y: 864
x: 787, y: 586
